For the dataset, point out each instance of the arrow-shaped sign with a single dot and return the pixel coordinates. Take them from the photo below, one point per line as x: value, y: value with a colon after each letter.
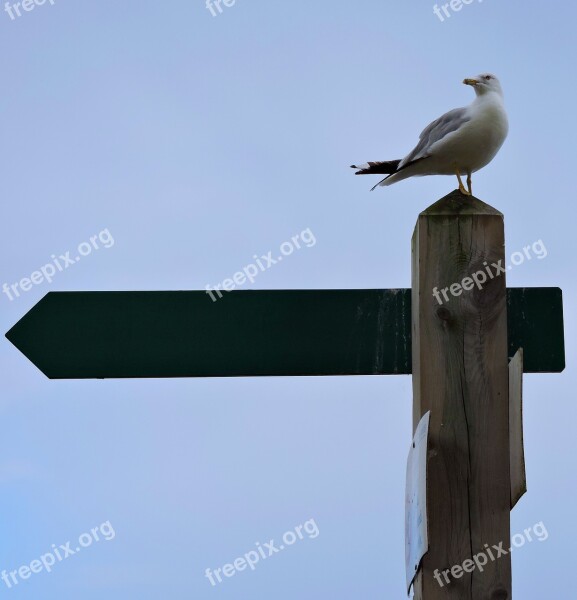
x: 79, y: 335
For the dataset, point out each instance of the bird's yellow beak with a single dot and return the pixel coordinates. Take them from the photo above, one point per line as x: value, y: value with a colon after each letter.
x: 470, y: 82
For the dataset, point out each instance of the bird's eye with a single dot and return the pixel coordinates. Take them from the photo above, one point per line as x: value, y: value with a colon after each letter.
x: 488, y: 77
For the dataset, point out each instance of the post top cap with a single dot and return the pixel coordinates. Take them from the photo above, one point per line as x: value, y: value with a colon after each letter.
x: 457, y: 203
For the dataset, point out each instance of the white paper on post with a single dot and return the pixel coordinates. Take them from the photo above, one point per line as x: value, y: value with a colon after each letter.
x: 416, y: 537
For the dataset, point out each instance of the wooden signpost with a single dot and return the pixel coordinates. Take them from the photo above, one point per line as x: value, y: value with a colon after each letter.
x: 89, y: 335
x: 457, y: 351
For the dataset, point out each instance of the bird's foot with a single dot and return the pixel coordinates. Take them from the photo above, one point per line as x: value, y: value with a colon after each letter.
x: 462, y: 188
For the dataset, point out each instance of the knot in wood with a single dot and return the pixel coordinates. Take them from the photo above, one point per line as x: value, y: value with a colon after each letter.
x: 444, y: 313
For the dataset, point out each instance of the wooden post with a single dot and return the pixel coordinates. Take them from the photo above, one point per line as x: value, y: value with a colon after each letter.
x: 517, y: 454
x: 460, y: 374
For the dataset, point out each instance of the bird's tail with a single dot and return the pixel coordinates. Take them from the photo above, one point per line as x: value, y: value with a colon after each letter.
x: 386, y: 167
x: 391, y: 169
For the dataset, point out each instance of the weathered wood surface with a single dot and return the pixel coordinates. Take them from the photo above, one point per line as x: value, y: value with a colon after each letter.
x: 518, y: 476
x: 460, y: 374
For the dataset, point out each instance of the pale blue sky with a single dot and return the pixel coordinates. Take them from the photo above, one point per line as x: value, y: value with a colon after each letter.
x: 198, y: 142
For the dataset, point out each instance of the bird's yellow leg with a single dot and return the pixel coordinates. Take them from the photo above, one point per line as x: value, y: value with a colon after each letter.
x: 461, y: 186
x: 470, y: 184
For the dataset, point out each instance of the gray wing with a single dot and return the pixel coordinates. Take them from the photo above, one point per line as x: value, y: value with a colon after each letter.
x: 436, y: 131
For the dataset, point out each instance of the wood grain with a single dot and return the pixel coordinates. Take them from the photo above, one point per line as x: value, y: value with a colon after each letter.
x: 518, y: 476
x: 460, y: 374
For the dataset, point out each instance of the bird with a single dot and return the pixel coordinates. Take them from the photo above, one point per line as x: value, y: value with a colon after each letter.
x: 460, y: 142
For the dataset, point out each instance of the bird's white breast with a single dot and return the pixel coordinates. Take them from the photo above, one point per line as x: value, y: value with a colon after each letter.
x: 476, y: 143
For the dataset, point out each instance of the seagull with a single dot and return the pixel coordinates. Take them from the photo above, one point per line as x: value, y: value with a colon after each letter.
x: 460, y: 142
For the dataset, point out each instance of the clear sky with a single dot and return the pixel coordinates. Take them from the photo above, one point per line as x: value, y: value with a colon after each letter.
x: 196, y: 142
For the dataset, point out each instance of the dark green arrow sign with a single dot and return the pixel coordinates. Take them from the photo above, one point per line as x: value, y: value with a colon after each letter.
x: 78, y: 335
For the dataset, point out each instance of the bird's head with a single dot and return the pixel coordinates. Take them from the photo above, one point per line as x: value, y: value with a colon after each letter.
x: 484, y: 83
